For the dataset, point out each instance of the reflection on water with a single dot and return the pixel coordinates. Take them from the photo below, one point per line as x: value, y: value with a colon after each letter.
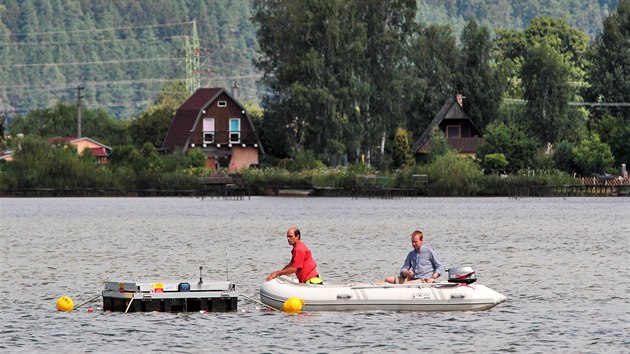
x: 560, y: 262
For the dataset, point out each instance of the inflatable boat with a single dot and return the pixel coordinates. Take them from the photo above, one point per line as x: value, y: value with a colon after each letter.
x: 459, y: 293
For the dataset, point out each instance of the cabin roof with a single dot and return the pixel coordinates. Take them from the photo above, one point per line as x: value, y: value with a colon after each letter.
x: 451, y: 110
x: 189, y: 113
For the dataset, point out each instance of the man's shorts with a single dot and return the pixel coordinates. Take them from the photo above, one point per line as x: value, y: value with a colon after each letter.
x: 314, y: 280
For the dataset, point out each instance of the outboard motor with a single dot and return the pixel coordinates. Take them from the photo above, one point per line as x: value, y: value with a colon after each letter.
x: 464, y: 275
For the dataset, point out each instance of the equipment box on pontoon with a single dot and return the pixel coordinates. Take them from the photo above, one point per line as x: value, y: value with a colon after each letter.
x: 170, y: 296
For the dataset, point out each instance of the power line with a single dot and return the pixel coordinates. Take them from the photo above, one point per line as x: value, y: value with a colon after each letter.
x: 91, y: 62
x: 90, y: 84
x: 592, y: 104
x: 600, y: 104
x: 24, y: 34
x: 100, y: 41
x: 142, y: 86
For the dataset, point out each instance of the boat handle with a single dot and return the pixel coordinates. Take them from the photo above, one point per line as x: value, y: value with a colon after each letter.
x: 344, y: 296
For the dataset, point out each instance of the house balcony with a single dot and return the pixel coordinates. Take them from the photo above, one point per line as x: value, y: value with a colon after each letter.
x: 224, y: 138
x: 467, y: 145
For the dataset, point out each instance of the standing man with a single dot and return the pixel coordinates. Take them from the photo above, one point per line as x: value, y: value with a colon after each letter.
x: 422, y: 265
x: 302, y: 263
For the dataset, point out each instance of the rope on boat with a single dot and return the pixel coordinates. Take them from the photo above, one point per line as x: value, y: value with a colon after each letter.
x: 258, y: 302
x: 87, y: 302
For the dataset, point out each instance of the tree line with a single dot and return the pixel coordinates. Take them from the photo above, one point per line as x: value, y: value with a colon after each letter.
x: 358, y: 81
x: 343, y: 76
x: 122, y: 51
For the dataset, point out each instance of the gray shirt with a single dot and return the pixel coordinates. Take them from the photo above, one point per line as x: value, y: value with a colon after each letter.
x: 423, y: 263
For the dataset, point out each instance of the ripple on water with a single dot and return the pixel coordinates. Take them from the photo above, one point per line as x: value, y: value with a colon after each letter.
x: 532, y: 250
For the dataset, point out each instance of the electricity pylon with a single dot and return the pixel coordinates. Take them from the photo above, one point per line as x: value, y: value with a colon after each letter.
x: 193, y: 68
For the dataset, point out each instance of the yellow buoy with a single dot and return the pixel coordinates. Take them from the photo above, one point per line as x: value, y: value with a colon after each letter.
x: 65, y: 304
x: 293, y: 305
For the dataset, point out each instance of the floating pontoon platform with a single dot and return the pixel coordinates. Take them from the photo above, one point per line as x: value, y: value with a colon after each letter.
x: 170, y: 296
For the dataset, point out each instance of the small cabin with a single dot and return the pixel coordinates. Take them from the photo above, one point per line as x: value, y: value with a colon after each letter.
x: 98, y: 150
x: 215, y: 122
x: 460, y: 131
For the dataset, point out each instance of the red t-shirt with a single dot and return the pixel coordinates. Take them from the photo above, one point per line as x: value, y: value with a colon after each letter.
x: 302, y: 259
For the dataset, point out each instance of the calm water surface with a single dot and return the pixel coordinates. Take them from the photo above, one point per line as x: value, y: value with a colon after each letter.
x: 564, y: 265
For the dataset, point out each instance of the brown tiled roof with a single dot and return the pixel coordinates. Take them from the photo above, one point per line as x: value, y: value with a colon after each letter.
x: 179, y: 132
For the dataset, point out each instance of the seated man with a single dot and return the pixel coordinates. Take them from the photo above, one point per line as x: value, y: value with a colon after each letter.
x: 422, y: 265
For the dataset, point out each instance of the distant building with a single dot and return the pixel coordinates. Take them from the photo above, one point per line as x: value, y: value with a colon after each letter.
x: 98, y: 150
x: 213, y: 121
x: 7, y: 155
x: 461, y: 134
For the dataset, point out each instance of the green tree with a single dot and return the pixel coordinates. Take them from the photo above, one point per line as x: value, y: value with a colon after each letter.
x: 400, y: 150
x: 510, y: 46
x: 61, y: 120
x: 451, y: 175
x: 614, y: 130
x: 546, y: 81
x: 386, y: 70
x: 152, y: 125
x: 494, y: 163
x: 336, y: 87
x: 39, y: 165
x: 436, y: 62
x: 593, y: 156
x: 483, y: 83
x: 196, y: 158
x: 570, y: 44
x: 439, y: 144
x: 563, y: 157
x: 609, y: 80
x: 518, y: 148
x: 311, y: 81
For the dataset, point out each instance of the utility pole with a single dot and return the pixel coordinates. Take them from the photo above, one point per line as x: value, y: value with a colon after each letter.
x: 79, y: 98
x: 235, y: 87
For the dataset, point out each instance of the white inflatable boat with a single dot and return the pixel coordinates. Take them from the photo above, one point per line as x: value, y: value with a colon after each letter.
x: 458, y: 294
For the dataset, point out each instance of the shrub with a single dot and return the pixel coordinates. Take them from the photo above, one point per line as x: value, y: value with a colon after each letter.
x: 494, y: 163
x: 301, y: 160
x: 450, y: 175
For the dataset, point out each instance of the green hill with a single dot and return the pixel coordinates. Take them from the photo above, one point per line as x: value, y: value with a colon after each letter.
x: 122, y: 52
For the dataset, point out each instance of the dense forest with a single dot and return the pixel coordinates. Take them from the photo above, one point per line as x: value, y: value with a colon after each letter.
x: 123, y: 51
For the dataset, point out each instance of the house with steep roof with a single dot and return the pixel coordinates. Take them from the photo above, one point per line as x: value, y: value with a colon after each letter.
x: 98, y: 150
x: 215, y: 122
x: 460, y: 131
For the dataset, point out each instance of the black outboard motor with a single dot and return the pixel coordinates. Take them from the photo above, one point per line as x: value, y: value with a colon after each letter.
x: 465, y: 275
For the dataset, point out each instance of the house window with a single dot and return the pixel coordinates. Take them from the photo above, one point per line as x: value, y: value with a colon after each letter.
x: 453, y: 131
x: 235, y: 130
x: 222, y: 104
x: 208, y: 138
x: 208, y: 130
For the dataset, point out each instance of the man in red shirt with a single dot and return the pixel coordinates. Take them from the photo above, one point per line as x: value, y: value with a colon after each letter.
x: 302, y: 263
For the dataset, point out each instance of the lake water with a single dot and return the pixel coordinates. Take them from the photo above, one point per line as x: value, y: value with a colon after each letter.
x: 564, y: 265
